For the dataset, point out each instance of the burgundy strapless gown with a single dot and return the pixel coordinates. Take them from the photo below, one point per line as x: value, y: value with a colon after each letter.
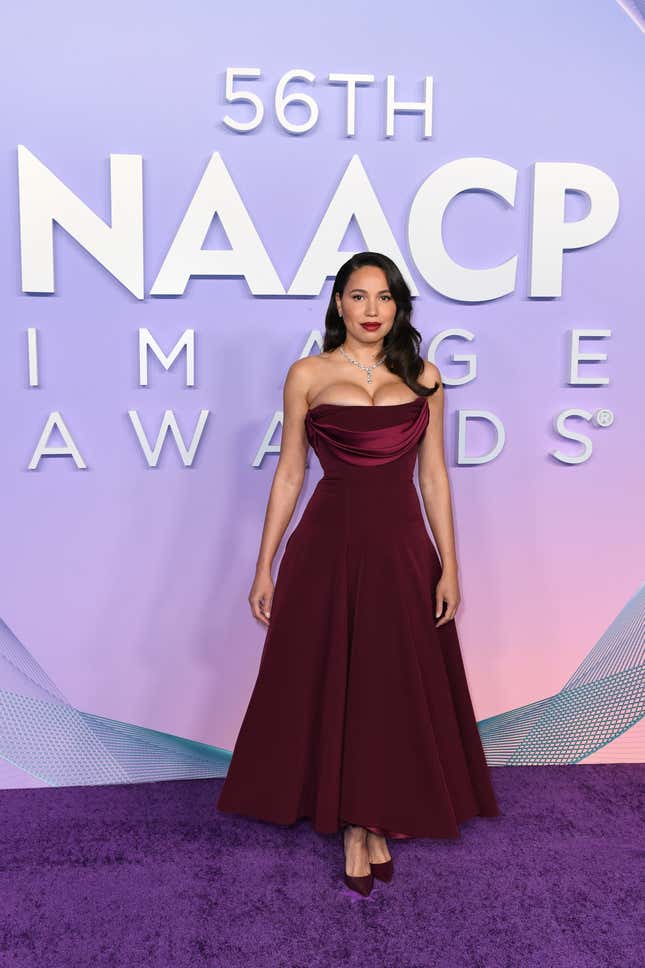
x: 361, y: 712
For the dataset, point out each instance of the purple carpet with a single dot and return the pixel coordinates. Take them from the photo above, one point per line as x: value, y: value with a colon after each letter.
x: 150, y: 874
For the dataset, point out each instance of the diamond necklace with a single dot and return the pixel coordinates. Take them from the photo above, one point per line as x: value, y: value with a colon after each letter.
x: 363, y: 366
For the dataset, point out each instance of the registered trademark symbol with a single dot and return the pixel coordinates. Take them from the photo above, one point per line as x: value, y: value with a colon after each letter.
x: 604, y: 417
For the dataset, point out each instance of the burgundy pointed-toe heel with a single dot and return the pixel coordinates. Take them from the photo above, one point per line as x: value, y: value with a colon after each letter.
x: 383, y: 871
x: 363, y: 884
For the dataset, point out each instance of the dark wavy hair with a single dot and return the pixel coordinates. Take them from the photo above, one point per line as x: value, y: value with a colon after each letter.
x: 401, y: 344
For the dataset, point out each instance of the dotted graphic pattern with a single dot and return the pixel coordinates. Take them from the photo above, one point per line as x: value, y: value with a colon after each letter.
x: 603, y: 698
x: 43, y: 734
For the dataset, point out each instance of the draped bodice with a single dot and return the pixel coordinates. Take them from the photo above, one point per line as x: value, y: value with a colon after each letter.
x: 350, y: 438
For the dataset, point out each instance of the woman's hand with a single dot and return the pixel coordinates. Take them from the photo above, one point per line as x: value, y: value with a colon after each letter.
x: 447, y: 591
x: 261, y: 596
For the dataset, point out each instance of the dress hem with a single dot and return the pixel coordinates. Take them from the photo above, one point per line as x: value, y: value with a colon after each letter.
x: 453, y: 834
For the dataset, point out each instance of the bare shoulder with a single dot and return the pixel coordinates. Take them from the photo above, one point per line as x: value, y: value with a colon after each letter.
x: 429, y: 377
x: 301, y: 372
x: 304, y: 373
x: 301, y: 376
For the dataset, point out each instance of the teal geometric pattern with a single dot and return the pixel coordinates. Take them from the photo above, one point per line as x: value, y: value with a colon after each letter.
x: 44, y: 735
x: 603, y: 698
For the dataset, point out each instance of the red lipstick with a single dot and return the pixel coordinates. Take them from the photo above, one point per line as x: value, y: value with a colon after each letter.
x: 370, y: 326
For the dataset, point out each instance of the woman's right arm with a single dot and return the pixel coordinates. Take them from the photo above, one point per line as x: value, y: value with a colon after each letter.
x: 287, y: 484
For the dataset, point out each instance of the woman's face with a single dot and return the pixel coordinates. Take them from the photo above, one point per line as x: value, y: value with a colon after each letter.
x: 367, y: 300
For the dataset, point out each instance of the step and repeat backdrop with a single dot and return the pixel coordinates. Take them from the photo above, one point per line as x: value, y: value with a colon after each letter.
x: 179, y: 186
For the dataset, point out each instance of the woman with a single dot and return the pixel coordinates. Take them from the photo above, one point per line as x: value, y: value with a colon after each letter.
x: 360, y: 718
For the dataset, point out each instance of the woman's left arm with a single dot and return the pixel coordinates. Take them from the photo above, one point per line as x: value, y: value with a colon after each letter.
x: 435, y: 491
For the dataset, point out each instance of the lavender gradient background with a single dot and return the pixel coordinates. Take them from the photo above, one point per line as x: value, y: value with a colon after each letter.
x: 129, y: 585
